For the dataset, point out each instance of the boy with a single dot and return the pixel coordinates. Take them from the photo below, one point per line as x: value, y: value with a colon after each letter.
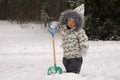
x: 74, y: 40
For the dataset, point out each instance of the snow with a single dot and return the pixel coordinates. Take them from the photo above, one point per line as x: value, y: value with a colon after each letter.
x: 26, y: 54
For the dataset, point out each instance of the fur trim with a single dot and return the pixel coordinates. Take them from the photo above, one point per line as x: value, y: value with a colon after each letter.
x: 71, y: 13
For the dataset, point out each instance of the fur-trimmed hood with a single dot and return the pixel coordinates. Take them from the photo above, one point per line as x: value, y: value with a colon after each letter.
x: 71, y: 13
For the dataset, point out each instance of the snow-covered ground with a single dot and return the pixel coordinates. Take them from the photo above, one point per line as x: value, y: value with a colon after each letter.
x: 26, y: 54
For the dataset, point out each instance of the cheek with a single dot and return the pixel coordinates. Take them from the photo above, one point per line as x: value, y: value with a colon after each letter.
x: 73, y: 24
x: 69, y: 23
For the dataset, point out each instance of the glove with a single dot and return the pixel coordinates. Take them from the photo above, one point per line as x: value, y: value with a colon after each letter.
x: 53, y: 29
x: 83, y: 53
x: 53, y: 26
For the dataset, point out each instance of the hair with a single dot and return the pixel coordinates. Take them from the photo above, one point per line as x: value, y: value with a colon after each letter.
x: 77, y: 17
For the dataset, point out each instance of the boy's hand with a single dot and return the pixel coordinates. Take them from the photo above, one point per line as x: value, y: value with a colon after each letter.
x: 53, y: 29
x: 53, y: 25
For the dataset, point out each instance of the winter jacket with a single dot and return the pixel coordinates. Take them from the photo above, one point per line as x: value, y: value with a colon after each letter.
x: 73, y: 40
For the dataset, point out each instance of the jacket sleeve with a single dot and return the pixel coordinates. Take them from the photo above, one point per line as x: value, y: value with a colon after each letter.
x: 83, y: 40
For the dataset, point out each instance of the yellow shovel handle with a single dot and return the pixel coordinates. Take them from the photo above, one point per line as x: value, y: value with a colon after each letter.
x: 54, y: 50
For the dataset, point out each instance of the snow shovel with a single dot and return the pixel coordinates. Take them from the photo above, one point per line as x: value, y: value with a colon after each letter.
x: 54, y: 69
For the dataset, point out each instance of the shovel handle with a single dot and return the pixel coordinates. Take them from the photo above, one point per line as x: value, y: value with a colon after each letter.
x: 54, y: 54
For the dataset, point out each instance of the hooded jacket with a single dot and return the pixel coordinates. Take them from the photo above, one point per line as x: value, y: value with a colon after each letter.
x: 74, y: 40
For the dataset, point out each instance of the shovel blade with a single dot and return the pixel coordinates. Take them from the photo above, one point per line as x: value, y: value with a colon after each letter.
x: 54, y: 70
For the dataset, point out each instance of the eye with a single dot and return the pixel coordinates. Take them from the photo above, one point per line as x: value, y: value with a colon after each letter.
x: 69, y: 20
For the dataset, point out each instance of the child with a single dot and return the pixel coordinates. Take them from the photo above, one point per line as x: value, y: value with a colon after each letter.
x: 74, y: 40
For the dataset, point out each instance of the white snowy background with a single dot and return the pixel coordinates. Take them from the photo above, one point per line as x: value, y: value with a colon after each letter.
x: 26, y: 54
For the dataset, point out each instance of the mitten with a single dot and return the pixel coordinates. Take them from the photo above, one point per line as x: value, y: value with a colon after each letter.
x: 83, y: 53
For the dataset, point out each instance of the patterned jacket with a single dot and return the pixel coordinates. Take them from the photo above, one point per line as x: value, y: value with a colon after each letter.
x: 73, y: 42
x: 75, y: 39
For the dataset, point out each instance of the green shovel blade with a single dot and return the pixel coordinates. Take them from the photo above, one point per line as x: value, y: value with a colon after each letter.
x: 54, y: 70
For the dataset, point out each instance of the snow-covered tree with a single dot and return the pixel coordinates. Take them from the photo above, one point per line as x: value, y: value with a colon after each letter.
x: 44, y: 14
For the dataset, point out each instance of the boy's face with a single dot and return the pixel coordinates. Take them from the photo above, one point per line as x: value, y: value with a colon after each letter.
x: 71, y: 23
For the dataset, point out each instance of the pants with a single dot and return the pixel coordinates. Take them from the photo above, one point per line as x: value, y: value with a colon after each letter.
x: 73, y: 64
